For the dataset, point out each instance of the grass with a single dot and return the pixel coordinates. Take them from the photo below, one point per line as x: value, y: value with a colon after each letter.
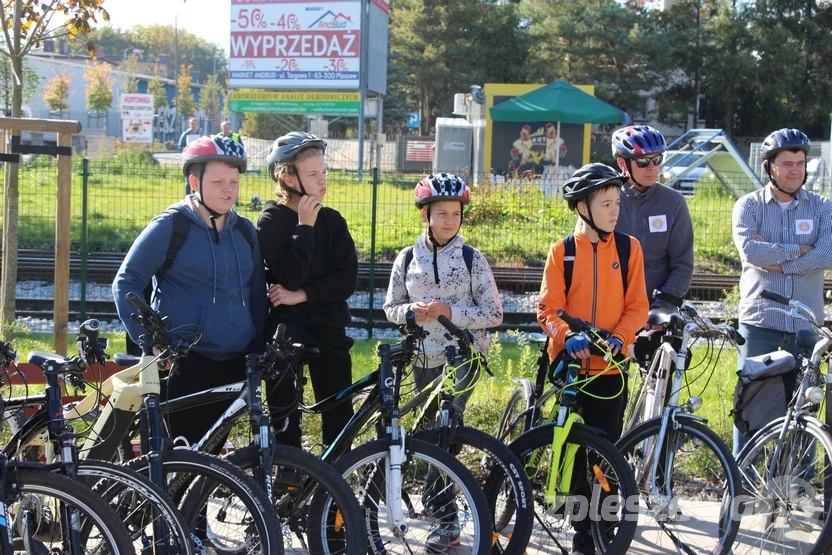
x: 507, y: 360
x: 513, y: 224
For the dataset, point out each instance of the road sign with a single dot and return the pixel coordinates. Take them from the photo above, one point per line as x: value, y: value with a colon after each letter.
x: 414, y: 120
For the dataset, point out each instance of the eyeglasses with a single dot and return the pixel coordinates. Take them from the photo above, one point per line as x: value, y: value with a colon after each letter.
x: 644, y: 162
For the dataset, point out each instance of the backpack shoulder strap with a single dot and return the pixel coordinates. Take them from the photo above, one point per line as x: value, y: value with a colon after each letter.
x: 622, y: 245
x: 568, y: 260
x: 468, y: 257
x: 181, y: 228
x: 245, y: 231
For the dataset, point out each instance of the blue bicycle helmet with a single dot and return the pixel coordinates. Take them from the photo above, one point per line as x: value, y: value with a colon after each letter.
x: 784, y: 139
x: 636, y: 141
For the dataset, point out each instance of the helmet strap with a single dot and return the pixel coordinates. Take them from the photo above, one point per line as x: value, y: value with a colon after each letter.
x: 794, y: 194
x: 213, y: 213
x: 291, y: 191
x: 437, y: 245
x: 590, y: 221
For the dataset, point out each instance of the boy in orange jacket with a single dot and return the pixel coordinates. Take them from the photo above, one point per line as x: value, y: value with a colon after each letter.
x: 596, y: 275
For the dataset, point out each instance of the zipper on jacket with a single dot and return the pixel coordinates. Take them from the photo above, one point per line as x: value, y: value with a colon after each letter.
x: 594, y: 291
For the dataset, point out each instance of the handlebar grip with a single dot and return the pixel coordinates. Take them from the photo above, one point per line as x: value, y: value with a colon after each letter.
x: 450, y: 326
x: 279, y: 333
x: 738, y: 338
x: 409, y: 318
x: 91, y: 328
x: 668, y: 298
x: 575, y: 324
x: 772, y: 296
x: 137, y: 302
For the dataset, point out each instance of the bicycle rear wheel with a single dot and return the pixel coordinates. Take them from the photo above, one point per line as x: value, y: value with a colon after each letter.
x: 511, y: 425
x: 783, y: 511
x: 688, y: 514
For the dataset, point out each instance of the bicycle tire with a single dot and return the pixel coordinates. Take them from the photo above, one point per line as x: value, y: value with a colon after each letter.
x: 613, y: 463
x: 689, y: 507
x: 332, y: 490
x: 209, y: 471
x: 33, y: 485
x: 118, y: 485
x: 474, y: 500
x: 789, y: 494
x: 517, y: 403
x: 500, y: 466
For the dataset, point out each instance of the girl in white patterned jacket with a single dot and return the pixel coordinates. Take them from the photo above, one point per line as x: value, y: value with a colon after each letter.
x: 441, y: 275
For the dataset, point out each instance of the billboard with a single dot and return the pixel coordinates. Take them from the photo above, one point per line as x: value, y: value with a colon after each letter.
x: 273, y: 102
x: 291, y: 44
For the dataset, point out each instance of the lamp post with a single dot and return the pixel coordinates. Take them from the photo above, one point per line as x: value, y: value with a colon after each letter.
x: 176, y: 69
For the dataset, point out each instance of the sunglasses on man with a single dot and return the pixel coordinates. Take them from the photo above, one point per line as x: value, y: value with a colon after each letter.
x: 644, y: 162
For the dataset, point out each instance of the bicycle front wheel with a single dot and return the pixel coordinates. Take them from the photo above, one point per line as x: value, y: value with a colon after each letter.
x: 50, y: 513
x: 441, y: 503
x: 784, y: 507
x: 223, y: 508
x: 695, y: 482
x: 600, y: 506
x: 312, y: 501
x: 512, y: 425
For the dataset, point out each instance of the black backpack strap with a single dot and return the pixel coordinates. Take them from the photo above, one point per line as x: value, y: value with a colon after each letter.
x: 181, y: 228
x: 468, y: 257
x: 408, y: 258
x: 245, y: 231
x: 622, y: 245
x: 568, y: 260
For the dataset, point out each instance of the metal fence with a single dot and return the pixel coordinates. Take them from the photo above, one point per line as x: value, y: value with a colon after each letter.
x: 513, y: 219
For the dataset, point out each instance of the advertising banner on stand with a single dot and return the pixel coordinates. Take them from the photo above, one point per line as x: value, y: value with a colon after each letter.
x: 136, y: 118
x: 294, y: 44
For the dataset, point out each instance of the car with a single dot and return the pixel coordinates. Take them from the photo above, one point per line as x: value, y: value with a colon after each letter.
x: 685, y: 184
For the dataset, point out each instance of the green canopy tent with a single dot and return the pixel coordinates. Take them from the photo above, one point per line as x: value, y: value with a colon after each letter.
x: 560, y: 102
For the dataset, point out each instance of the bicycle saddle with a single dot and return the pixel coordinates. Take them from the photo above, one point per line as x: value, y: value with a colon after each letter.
x: 661, y: 316
x: 537, y: 338
x: 39, y: 358
x: 126, y: 360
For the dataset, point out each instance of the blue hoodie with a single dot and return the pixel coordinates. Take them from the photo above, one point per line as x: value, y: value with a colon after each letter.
x: 218, y: 289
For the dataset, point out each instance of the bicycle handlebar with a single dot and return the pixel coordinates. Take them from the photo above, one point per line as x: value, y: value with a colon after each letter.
x: 7, y: 354
x: 578, y: 326
x: 464, y: 337
x: 150, y: 320
x: 776, y: 297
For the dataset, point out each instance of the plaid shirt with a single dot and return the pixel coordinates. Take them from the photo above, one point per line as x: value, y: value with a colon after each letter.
x: 805, y: 221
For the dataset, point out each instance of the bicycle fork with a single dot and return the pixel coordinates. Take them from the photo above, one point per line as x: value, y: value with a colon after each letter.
x: 393, y: 482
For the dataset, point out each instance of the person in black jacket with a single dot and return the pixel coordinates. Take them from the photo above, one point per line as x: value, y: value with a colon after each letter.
x: 311, y: 271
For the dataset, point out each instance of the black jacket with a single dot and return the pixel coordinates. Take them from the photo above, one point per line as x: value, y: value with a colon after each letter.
x: 321, y: 260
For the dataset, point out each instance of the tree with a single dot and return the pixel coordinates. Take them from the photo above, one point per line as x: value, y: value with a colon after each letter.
x: 209, y: 98
x: 131, y: 68
x: 25, y: 24
x: 185, y: 106
x: 99, y: 86
x: 160, y: 95
x: 31, y: 81
x: 56, y: 92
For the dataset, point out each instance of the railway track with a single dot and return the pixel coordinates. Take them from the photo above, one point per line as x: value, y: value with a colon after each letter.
x: 102, y: 268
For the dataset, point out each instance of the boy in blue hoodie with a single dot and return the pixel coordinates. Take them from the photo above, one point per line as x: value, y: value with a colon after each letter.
x: 215, y: 287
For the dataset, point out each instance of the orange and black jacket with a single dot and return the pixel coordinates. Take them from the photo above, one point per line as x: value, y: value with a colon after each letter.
x: 596, y: 294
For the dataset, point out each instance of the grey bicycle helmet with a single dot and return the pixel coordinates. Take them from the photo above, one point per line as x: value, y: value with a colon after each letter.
x: 287, y: 147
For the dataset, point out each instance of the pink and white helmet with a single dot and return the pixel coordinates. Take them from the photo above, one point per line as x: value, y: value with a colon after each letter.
x: 441, y: 186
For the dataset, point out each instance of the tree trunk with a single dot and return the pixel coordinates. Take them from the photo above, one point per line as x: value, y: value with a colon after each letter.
x: 10, y: 215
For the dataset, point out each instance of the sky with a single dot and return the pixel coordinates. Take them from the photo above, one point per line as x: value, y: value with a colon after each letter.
x: 208, y: 19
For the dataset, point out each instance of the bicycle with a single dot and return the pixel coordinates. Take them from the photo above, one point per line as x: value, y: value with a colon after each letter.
x: 43, y: 511
x: 573, y: 468
x: 502, y: 472
x: 685, y: 472
x: 786, y: 466
x: 302, y: 488
x: 407, y: 488
x: 222, y: 506
x: 153, y: 521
